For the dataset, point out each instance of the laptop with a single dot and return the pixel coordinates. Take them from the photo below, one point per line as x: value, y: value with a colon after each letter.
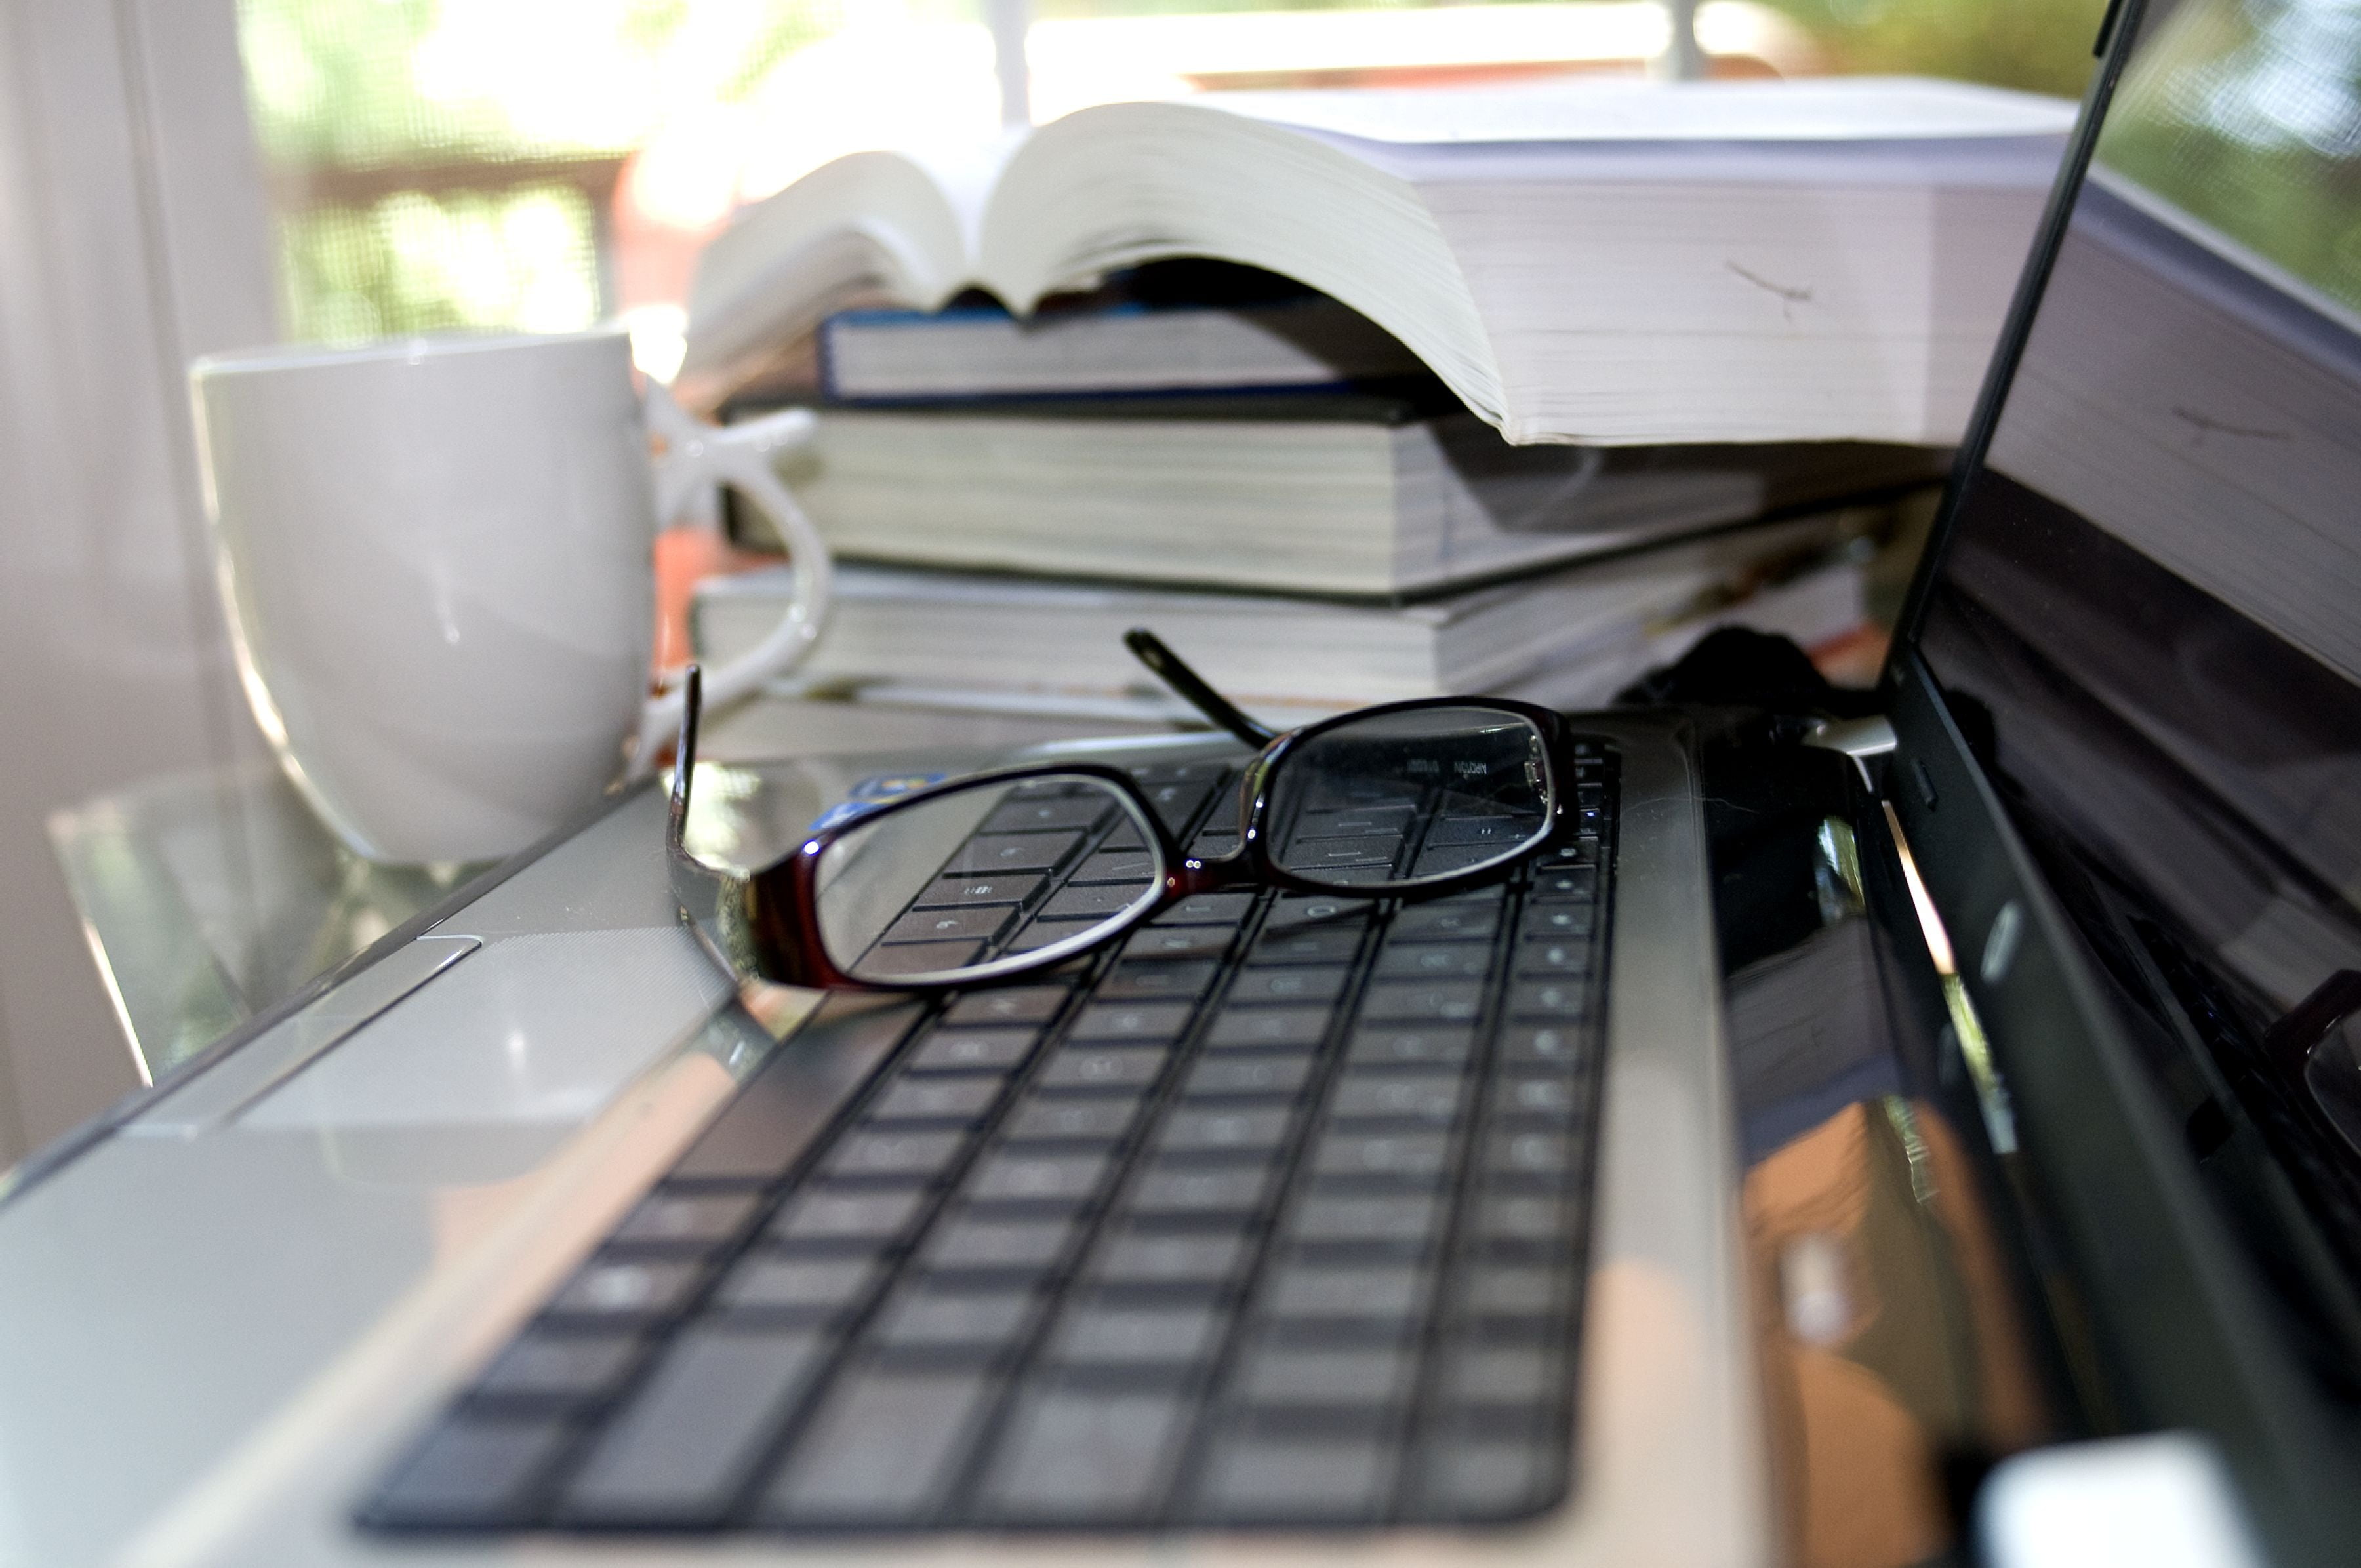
x: 1855, y: 1115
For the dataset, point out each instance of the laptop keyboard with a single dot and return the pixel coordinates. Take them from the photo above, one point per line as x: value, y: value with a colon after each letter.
x: 1277, y: 1216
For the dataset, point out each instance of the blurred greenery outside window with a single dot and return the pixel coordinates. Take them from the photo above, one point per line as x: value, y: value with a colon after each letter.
x: 540, y: 164
x: 2246, y: 114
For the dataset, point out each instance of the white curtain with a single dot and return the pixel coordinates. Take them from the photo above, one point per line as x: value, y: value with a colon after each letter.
x: 132, y: 235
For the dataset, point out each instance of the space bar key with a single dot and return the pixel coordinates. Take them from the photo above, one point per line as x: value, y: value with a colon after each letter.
x: 798, y: 1092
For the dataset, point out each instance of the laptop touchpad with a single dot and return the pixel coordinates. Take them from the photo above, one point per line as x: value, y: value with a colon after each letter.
x: 541, y: 1030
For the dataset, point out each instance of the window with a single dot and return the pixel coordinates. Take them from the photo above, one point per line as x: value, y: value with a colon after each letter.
x: 540, y: 164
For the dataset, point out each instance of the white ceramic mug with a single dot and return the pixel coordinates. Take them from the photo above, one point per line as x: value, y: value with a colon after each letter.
x: 436, y: 556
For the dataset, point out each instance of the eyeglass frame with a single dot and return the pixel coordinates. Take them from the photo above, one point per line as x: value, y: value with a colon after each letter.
x: 778, y: 938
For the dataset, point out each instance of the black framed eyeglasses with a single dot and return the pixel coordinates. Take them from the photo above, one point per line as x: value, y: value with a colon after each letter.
x: 943, y: 887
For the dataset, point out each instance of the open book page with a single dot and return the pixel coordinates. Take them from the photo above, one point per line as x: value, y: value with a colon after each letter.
x: 1592, y: 262
x: 966, y: 173
x: 871, y: 227
x: 1832, y: 109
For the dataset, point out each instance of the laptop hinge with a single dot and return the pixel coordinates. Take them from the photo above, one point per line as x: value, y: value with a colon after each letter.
x: 1859, y: 739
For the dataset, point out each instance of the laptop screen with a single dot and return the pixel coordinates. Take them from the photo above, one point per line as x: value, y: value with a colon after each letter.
x: 2148, y: 619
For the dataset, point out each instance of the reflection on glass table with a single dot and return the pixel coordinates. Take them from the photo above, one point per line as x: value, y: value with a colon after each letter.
x: 209, y: 896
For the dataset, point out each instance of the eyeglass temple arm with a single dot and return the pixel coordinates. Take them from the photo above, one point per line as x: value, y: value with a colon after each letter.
x: 683, y: 756
x: 1168, y: 667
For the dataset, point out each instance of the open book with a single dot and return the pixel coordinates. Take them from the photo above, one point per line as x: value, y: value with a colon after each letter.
x: 1613, y: 263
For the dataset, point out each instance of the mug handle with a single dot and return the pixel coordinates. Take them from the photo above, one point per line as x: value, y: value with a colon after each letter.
x: 697, y: 455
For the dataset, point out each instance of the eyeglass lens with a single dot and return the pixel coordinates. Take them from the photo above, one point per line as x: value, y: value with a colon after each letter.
x: 934, y: 890
x: 1403, y: 796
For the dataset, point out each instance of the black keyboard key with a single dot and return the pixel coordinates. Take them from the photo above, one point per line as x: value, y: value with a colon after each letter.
x: 1383, y: 1295
x: 1026, y: 1177
x: 1477, y: 1373
x: 1550, y: 1043
x: 1093, y: 900
x: 964, y: 891
x: 626, y: 1290
x: 862, y: 1217
x: 1196, y: 1192
x: 1155, y: 981
x: 1446, y: 921
x: 954, y: 1049
x: 1103, y: 1067
x: 894, y: 1154
x: 882, y: 1449
x: 941, y: 1317
x: 474, y: 1470
x: 1303, y: 986
x: 1570, y: 884
x: 1208, y: 909
x: 1495, y: 831
x: 813, y: 1290
x: 1433, y: 1099
x: 699, y: 1219
x: 1440, y: 1047
x: 1212, y: 772
x: 1422, y: 1002
x: 1253, y: 1027
x: 1176, y: 804
x: 1097, y: 1120
x: 1126, y: 1021
x: 965, y: 1244
x: 1352, y: 822
x: 971, y: 922
x: 1491, y: 1478
x: 1110, y: 1334
x: 904, y: 960
x: 1317, y: 858
x: 1015, y: 1004
x: 1065, y: 813
x: 1157, y: 942
x: 1414, y: 1158
x: 1224, y: 1129
x: 1077, y: 1456
x: 1307, y: 945
x: 1259, y: 1076
x: 1524, y: 1220
x: 1444, y: 860
x: 1295, y: 910
x: 1132, y: 867
x: 1511, y: 1291
x: 1217, y: 840
x: 1197, y: 1259
x: 1398, y: 1222
x: 961, y: 1100
x: 1557, y: 922
x: 1540, y: 1156
x: 1296, y: 1479
x: 558, y: 1367
x: 1038, y: 933
x: 686, y: 1444
x: 1369, y: 1376
x: 1535, y: 1101
x: 1448, y: 960
x: 765, y: 1131
x: 1541, y: 961
x: 1538, y: 1001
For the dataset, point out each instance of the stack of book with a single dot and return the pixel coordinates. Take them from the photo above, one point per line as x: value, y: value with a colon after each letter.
x: 1506, y: 391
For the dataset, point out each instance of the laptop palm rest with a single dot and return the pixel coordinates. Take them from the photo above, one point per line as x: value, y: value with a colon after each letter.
x: 467, y: 1072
